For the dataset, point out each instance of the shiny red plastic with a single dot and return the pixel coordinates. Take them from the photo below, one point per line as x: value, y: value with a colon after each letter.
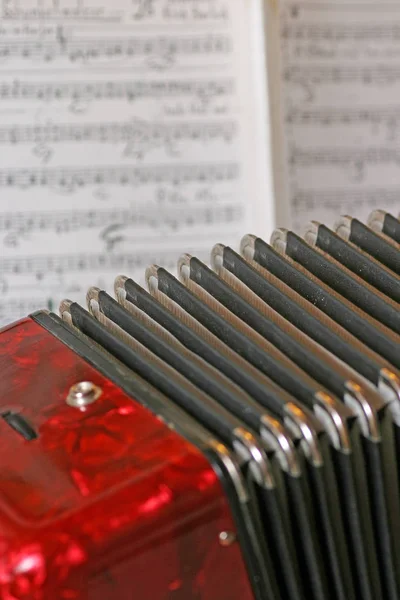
x: 107, y: 503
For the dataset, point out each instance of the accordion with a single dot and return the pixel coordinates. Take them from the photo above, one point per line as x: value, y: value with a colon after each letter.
x: 232, y: 433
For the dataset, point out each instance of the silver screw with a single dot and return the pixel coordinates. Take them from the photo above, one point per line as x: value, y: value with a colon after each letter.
x: 227, y: 538
x: 82, y: 394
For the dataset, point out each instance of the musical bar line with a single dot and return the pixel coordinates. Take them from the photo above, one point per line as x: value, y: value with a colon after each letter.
x: 152, y: 216
x: 340, y: 32
x: 345, y: 6
x: 72, y: 263
x: 344, y: 157
x: 135, y: 130
x: 343, y: 116
x: 375, y: 74
x: 107, y: 48
x: 342, y: 197
x: 14, y: 308
x: 128, y: 90
x: 72, y: 178
x: 20, y: 12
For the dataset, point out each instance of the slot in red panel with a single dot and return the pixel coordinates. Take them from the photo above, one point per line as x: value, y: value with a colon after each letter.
x: 107, y: 503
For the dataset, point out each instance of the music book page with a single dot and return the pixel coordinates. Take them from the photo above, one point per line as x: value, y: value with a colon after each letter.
x: 130, y: 132
x: 337, y: 108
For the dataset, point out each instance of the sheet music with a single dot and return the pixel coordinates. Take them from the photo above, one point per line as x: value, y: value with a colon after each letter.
x: 129, y: 133
x: 340, y: 108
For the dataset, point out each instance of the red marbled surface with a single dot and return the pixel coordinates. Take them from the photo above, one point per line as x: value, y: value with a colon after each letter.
x: 107, y: 503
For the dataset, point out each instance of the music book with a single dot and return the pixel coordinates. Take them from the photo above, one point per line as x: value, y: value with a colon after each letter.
x: 132, y: 129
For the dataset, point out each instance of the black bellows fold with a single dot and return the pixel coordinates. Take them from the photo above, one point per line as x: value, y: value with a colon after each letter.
x: 289, y: 353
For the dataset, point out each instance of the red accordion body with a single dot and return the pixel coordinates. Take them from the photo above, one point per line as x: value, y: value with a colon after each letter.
x: 106, y: 502
x: 233, y: 434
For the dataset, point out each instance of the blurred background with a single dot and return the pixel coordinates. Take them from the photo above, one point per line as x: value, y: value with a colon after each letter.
x: 136, y: 130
